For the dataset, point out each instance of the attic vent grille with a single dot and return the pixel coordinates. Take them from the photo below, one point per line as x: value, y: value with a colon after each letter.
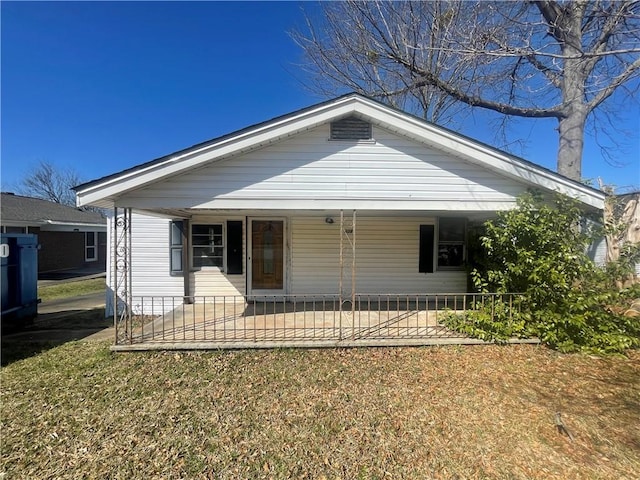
x: 350, y: 128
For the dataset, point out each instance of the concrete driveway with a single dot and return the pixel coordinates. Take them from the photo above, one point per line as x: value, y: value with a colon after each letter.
x: 63, y: 320
x: 79, y: 318
x: 81, y: 302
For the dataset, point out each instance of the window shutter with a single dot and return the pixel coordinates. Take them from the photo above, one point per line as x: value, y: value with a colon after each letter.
x: 176, y: 230
x: 234, y: 247
x: 425, y: 262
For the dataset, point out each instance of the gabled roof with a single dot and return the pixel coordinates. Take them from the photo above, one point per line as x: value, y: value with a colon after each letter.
x: 104, y: 191
x: 16, y: 209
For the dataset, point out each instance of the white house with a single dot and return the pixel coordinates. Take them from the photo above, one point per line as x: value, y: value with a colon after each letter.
x: 346, y: 196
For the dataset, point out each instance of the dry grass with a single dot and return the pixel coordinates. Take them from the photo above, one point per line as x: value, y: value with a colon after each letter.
x: 79, y: 411
x: 71, y: 289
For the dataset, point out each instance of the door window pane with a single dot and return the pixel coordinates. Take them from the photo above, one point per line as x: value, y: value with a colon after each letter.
x: 267, y: 252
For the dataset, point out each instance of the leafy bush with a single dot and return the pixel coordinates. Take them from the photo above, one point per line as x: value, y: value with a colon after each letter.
x: 539, y: 249
x: 495, y: 320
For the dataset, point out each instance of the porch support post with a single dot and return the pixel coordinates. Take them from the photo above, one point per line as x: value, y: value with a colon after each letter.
x: 347, y: 233
x: 121, y: 265
x: 114, y: 270
x: 341, y: 271
x: 341, y: 256
x: 353, y: 265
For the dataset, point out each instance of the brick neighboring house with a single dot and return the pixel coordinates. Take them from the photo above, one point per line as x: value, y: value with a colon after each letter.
x: 69, y: 238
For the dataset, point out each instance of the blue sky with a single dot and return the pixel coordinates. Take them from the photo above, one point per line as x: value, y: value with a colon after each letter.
x: 103, y: 86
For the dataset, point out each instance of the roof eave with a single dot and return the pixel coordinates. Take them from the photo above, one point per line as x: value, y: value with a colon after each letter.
x: 246, y: 139
x: 104, y: 192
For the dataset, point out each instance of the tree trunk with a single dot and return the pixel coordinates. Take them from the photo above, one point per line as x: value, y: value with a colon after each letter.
x: 571, y: 133
x: 574, y: 111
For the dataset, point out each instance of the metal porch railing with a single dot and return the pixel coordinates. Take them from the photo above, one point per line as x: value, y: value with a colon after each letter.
x: 298, y: 320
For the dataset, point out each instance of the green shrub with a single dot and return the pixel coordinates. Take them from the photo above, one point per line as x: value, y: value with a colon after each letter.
x: 539, y: 249
x: 494, y: 319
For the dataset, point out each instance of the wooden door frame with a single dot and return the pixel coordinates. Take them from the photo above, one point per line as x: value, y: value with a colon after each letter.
x: 285, y: 263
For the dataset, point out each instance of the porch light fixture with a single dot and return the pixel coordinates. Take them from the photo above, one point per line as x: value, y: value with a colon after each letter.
x: 328, y: 220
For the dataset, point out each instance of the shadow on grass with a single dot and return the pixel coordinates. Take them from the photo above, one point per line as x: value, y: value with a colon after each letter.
x: 48, y: 331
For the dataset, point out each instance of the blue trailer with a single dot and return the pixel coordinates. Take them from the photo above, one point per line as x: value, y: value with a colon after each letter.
x: 19, y: 280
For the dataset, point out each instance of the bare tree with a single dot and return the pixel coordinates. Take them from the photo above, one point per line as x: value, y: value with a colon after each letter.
x: 347, y: 52
x: 50, y: 182
x: 535, y: 59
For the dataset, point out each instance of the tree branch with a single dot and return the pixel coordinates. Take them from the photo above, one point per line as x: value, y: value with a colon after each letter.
x: 617, y: 81
x: 598, y: 49
x: 474, y: 101
x: 552, y: 13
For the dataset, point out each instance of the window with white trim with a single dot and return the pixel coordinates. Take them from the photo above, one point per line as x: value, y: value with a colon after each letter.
x: 451, y: 243
x: 207, y: 246
x: 90, y: 246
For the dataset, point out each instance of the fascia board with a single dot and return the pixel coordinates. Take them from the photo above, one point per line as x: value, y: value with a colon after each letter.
x: 73, y: 228
x: 249, y: 140
x: 96, y: 226
x: 480, y: 154
x: 53, y: 226
x: 19, y: 223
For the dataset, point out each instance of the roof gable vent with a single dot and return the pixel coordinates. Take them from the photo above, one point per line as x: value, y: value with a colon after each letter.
x: 350, y: 128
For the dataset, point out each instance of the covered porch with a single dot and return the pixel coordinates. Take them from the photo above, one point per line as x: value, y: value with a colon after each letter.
x: 289, y: 278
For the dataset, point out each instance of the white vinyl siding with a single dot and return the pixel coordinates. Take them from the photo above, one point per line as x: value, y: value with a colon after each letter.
x: 387, y: 256
x: 150, y: 258
x: 391, y: 173
x: 149, y: 263
x: 150, y: 273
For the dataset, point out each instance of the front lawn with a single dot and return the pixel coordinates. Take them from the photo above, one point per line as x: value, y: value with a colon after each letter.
x: 71, y: 289
x: 80, y: 411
